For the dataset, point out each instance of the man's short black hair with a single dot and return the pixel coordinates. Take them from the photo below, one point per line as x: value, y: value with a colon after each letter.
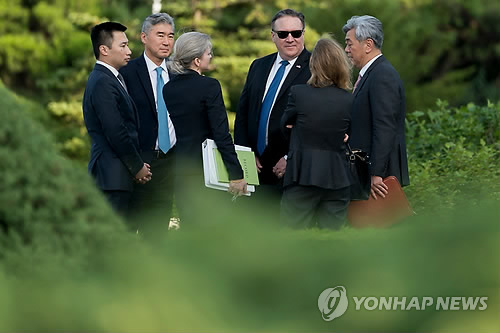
x: 102, y: 34
x: 289, y: 12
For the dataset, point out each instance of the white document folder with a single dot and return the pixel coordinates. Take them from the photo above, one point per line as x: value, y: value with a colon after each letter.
x: 210, y: 168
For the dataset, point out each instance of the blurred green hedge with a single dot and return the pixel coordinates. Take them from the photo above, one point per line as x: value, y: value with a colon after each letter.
x: 66, y: 263
x: 241, y: 275
x: 46, y: 201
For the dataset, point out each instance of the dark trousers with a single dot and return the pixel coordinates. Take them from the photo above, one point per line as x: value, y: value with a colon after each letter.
x: 199, y: 205
x: 264, y: 204
x: 120, y: 201
x: 311, y: 206
x: 151, y: 203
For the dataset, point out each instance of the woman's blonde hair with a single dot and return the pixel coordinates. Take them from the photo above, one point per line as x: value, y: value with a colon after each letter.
x: 187, y: 47
x: 329, y: 65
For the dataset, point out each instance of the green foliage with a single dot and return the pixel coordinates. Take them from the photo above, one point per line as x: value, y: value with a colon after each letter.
x: 231, y: 71
x: 66, y: 263
x: 246, y: 276
x: 49, y: 47
x: 46, y: 201
x: 445, y: 49
x: 454, y: 154
x: 73, y: 140
x: 471, y: 125
x: 48, y: 58
x: 17, y: 17
x: 13, y: 58
x: 452, y: 177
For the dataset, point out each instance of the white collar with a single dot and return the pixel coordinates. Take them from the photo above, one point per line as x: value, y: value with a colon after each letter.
x: 108, y: 66
x: 279, y: 59
x: 152, y: 66
x: 368, y: 64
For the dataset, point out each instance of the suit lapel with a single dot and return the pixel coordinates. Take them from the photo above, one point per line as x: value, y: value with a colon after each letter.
x: 103, y: 69
x: 365, y: 77
x: 129, y: 99
x: 144, y: 78
x: 106, y: 71
x: 299, y: 65
x: 263, y: 74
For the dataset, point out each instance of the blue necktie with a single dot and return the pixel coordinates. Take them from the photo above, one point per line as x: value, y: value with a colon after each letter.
x: 266, y: 107
x: 163, y: 135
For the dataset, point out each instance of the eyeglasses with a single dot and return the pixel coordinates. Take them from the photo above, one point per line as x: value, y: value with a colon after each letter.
x: 284, y: 34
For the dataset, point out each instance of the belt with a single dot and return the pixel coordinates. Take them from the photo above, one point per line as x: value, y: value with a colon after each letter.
x: 158, y: 154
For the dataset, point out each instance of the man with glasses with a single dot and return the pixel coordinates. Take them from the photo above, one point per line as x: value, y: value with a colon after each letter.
x: 264, y: 99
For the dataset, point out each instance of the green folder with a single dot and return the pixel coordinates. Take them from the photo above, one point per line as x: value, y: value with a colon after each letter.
x: 247, y: 162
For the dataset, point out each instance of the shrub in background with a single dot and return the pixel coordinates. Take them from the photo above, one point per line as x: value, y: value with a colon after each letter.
x: 46, y: 200
x: 453, y: 154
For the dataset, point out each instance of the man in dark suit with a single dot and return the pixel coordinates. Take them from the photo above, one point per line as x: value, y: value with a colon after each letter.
x: 378, y: 116
x: 111, y: 119
x: 265, y: 96
x: 145, y: 77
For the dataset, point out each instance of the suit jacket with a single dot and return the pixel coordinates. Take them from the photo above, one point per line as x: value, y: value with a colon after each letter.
x: 317, y: 154
x: 139, y: 87
x: 248, y: 113
x: 378, y: 121
x: 111, y: 120
x: 197, y: 111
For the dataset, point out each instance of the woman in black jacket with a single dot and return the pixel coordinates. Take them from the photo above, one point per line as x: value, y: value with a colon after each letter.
x: 316, y: 181
x: 197, y: 110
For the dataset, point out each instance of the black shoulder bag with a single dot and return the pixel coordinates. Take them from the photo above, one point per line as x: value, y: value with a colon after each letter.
x: 359, y: 165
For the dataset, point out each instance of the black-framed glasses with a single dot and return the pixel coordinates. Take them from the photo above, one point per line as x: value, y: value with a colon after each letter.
x: 284, y: 34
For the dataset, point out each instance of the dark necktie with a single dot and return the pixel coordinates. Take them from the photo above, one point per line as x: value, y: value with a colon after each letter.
x: 161, y: 108
x: 122, y: 81
x: 266, y: 107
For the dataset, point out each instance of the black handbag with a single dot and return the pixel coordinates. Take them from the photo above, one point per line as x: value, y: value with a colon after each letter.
x: 359, y: 165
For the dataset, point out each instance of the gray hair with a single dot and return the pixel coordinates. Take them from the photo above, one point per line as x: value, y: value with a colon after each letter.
x: 155, y: 19
x: 289, y: 12
x: 366, y: 26
x: 189, y: 46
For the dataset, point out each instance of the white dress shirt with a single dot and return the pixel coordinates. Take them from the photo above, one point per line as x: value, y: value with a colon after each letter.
x: 111, y: 68
x: 368, y: 64
x: 153, y: 78
x: 274, y: 70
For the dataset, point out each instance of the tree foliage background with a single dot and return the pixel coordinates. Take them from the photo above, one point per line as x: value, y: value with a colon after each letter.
x: 61, y: 242
x: 448, y: 49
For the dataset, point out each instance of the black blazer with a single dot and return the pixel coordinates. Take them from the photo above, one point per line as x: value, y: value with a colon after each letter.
x: 247, y: 116
x: 111, y: 119
x: 197, y: 111
x: 317, y: 154
x: 139, y: 87
x: 378, y: 121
